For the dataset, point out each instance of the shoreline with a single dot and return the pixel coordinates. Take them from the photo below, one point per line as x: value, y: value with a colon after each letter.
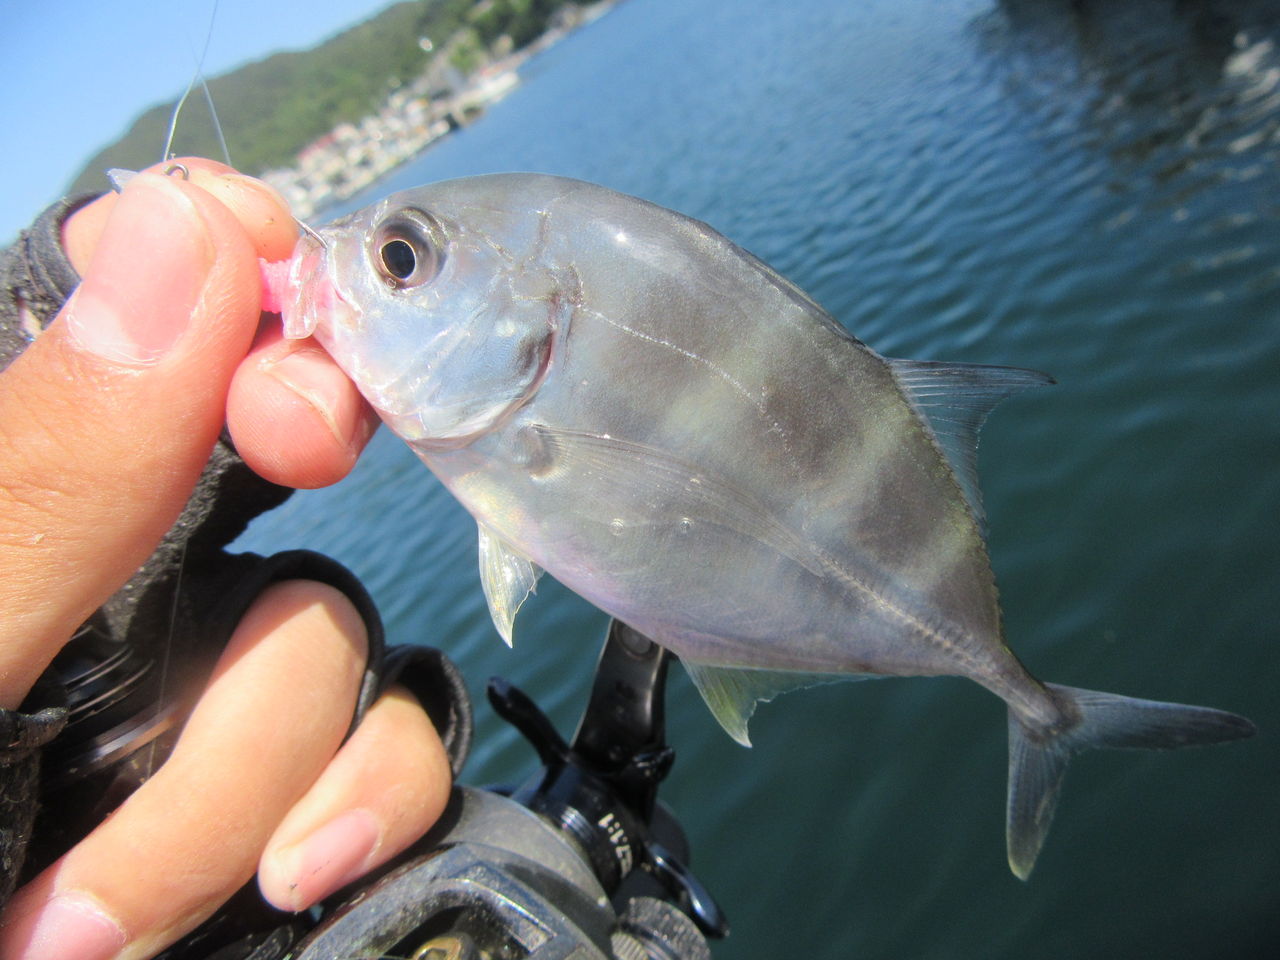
x: 412, y: 119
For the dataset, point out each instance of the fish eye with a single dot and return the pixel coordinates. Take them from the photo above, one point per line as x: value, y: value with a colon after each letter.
x: 407, y: 250
x: 399, y: 259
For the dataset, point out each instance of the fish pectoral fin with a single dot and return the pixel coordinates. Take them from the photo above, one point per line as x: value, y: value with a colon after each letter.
x: 507, y: 577
x: 731, y: 693
x: 669, y: 488
x: 955, y: 399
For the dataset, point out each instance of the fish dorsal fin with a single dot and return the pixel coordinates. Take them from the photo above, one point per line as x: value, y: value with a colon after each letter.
x: 507, y: 577
x: 731, y: 693
x: 954, y: 399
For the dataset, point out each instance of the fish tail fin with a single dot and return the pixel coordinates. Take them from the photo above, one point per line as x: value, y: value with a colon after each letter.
x: 1038, y: 758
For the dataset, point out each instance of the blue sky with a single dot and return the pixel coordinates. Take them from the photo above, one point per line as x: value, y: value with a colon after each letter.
x: 79, y: 72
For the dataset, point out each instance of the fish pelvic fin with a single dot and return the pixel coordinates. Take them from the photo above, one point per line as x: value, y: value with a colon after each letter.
x: 508, y: 578
x: 731, y: 693
x: 1038, y: 758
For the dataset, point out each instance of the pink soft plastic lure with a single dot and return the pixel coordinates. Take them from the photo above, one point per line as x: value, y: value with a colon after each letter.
x: 299, y: 304
x: 275, y: 284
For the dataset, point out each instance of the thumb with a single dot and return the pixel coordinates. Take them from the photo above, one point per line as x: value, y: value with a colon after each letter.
x: 108, y: 417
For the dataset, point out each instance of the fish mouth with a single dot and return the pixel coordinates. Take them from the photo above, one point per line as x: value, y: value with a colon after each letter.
x: 314, y: 303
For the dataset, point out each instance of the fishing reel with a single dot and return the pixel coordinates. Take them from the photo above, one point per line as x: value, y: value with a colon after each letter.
x: 578, y: 861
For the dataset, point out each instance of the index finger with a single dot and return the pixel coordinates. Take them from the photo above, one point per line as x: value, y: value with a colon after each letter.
x: 261, y: 211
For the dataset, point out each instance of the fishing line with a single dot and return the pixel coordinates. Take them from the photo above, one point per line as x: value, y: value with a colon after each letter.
x: 198, y: 75
x: 166, y: 658
x: 217, y: 124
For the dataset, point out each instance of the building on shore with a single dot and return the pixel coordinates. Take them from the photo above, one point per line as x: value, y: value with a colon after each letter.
x: 415, y: 115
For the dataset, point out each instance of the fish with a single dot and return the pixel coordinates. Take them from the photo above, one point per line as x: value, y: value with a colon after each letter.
x: 624, y: 398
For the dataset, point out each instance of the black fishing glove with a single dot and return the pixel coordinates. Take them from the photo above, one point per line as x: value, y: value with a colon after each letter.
x: 128, y: 677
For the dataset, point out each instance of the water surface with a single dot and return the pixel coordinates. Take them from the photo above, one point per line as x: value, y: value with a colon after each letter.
x: 1086, y: 188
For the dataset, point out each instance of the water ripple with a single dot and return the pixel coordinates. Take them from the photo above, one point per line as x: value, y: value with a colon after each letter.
x: 1089, y: 188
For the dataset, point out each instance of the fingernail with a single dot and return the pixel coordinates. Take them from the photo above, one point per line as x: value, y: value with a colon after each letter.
x: 308, y: 372
x: 146, y: 275
x: 328, y: 859
x: 69, y: 926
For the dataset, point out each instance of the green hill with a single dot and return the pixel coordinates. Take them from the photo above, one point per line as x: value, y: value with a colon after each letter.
x: 272, y: 108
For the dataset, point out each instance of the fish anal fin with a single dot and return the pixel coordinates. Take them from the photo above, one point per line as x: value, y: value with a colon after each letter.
x: 731, y: 693
x: 507, y: 577
x: 955, y: 399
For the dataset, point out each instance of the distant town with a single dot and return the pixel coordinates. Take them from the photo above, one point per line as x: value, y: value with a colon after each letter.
x: 417, y: 114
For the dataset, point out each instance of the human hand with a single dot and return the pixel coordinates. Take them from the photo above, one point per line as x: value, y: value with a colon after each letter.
x: 106, y: 421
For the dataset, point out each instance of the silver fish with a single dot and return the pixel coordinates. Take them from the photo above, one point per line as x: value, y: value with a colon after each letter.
x: 621, y: 396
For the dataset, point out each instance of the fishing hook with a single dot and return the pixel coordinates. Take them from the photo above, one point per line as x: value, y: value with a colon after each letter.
x: 310, y: 232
